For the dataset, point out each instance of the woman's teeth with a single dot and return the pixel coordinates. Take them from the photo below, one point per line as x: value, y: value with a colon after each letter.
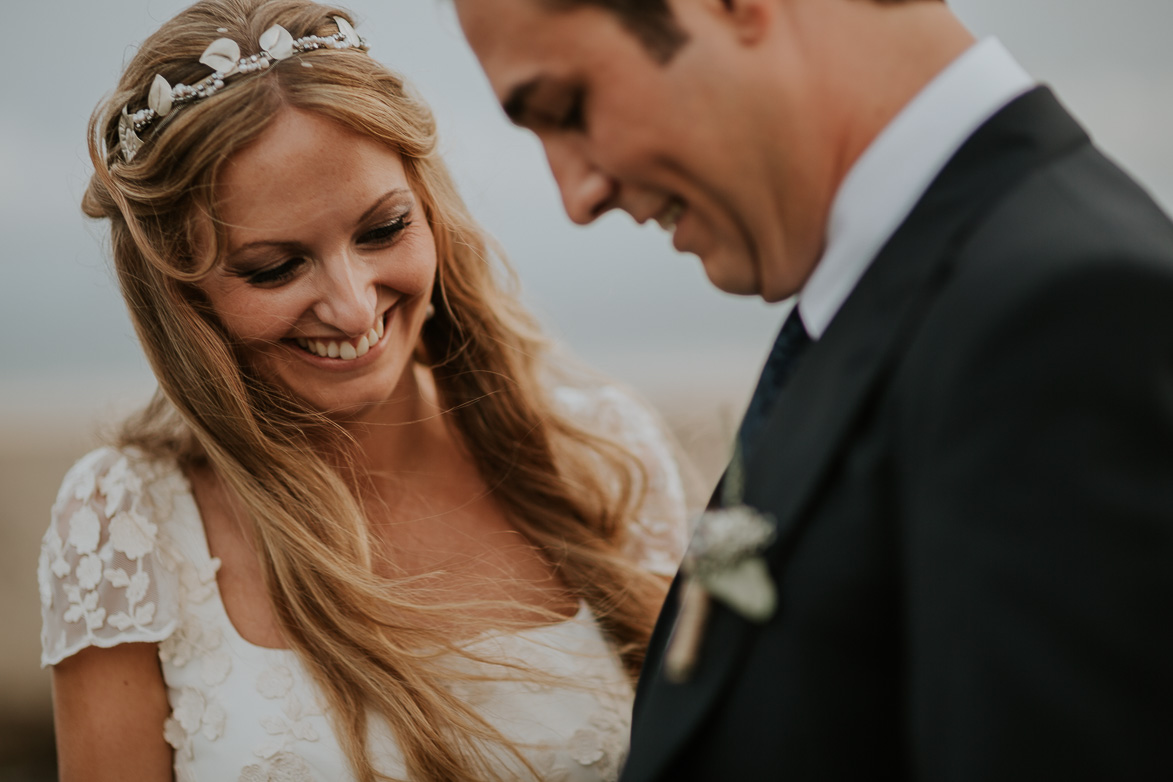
x: 344, y: 350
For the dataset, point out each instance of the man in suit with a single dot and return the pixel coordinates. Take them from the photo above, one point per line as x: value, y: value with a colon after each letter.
x: 970, y: 469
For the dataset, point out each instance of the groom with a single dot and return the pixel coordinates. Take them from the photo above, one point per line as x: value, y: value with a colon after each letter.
x: 970, y: 465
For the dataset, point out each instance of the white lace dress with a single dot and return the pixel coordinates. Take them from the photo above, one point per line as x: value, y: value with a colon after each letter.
x: 125, y: 559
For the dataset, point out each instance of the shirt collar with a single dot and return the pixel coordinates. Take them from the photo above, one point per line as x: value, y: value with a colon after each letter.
x: 897, y: 168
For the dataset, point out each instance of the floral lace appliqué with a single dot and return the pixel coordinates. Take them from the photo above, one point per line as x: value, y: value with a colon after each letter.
x: 282, y: 767
x: 292, y: 724
x: 98, y: 572
x: 602, y: 743
x: 109, y: 574
x: 197, y: 710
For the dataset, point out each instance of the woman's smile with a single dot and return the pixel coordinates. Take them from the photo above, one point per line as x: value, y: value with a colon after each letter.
x: 343, y: 353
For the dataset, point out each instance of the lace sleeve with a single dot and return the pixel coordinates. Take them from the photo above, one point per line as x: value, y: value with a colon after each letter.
x: 659, y: 535
x: 100, y: 575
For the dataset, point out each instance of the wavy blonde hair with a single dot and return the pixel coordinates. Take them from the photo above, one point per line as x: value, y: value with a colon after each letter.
x: 366, y: 639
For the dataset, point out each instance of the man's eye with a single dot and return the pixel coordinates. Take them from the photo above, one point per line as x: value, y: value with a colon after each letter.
x: 385, y: 233
x: 556, y: 110
x: 275, y: 274
x: 572, y: 118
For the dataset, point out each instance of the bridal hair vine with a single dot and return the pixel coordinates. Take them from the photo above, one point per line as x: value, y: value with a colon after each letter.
x: 223, y: 57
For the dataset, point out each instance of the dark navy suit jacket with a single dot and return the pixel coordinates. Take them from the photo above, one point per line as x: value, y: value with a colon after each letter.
x: 972, y: 473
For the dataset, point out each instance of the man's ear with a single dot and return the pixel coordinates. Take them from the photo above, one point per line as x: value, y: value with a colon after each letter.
x: 749, y: 19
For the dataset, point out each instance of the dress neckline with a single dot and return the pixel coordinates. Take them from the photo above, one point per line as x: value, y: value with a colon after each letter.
x: 584, y: 614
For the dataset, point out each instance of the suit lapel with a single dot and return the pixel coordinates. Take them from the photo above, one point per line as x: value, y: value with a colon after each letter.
x: 820, y: 408
x: 817, y: 411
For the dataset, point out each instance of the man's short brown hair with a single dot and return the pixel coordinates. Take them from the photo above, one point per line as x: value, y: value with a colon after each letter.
x: 650, y: 20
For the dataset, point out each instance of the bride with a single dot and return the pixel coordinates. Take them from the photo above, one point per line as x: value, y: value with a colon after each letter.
x: 362, y: 531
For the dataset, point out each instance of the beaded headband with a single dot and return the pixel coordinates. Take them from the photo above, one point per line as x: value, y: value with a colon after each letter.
x: 223, y: 57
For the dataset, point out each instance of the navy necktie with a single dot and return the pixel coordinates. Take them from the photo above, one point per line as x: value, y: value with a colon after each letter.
x: 792, y: 340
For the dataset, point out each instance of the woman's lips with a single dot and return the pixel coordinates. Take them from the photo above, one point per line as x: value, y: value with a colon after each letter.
x: 339, y: 351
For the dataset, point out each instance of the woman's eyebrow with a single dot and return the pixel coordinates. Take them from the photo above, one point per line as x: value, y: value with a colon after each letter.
x: 390, y: 194
x: 235, y: 255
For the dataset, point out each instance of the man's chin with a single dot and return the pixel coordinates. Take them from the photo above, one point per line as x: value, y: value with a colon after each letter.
x: 730, y: 276
x: 742, y: 276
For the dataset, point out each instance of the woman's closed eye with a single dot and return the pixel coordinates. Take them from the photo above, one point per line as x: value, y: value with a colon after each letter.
x: 274, y: 275
x: 382, y: 235
x: 386, y: 233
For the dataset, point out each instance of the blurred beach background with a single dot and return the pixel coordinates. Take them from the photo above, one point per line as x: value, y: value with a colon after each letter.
x: 615, y: 294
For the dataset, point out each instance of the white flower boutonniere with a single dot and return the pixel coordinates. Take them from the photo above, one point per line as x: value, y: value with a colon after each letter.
x: 725, y: 557
x: 724, y: 560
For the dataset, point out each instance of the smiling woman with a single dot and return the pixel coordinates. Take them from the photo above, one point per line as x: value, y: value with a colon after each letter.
x: 324, y: 289
x: 362, y: 531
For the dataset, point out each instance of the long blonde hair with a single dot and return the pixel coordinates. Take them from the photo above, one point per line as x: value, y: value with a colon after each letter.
x: 365, y: 638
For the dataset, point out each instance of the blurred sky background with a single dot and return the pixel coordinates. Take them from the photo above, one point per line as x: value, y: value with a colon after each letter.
x: 616, y: 293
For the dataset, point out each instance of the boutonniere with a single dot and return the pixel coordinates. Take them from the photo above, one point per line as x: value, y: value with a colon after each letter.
x: 724, y: 561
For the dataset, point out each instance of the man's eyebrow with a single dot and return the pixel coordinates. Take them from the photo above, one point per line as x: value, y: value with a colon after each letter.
x: 516, y: 103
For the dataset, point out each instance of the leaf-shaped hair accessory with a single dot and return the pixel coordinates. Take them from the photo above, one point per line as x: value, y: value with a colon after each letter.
x: 160, y: 98
x: 127, y: 138
x: 347, y: 31
x: 277, y: 42
x: 222, y: 55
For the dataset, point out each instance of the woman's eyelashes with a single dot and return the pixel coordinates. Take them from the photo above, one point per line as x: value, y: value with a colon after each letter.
x: 274, y: 275
x: 381, y: 235
x: 387, y: 232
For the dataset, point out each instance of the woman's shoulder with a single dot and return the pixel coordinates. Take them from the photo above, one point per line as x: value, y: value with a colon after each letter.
x: 115, y: 498
x: 617, y: 413
x: 611, y: 410
x: 118, y: 474
x: 658, y: 534
x: 119, y: 463
x: 108, y: 572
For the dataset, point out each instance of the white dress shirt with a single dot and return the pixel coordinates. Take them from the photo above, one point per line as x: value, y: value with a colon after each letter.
x: 886, y: 182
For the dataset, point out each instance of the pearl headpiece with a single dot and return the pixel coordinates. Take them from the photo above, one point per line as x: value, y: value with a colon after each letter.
x: 223, y: 57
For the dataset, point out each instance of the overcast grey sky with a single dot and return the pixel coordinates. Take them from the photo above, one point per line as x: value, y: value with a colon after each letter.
x: 616, y: 293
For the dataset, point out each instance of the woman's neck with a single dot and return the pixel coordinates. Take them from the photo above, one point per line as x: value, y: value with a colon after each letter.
x: 406, y: 431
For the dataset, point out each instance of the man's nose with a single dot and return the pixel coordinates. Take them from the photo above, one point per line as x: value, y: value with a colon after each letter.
x: 348, y: 295
x: 587, y: 191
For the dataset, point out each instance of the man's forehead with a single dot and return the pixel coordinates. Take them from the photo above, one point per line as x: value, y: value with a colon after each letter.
x: 490, y: 25
x: 520, y: 42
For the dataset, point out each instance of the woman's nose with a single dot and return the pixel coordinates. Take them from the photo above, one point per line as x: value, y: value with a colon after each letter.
x: 348, y: 297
